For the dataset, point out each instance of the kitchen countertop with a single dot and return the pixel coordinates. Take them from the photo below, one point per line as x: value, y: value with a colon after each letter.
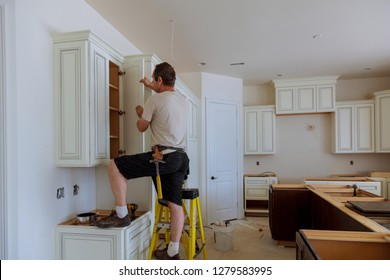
x: 349, y: 179
x: 340, y: 204
x: 100, y: 213
x: 289, y: 186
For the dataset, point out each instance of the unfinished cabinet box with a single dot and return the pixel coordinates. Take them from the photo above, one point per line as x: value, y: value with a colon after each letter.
x: 289, y: 211
x: 256, y: 193
x: 326, y: 216
x: 363, y: 183
x: 341, y: 245
x: 115, y: 110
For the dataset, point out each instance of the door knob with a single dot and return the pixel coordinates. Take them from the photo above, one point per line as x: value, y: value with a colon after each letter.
x: 213, y: 178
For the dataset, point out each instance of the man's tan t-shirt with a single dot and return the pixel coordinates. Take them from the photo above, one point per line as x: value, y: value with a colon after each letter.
x: 167, y: 114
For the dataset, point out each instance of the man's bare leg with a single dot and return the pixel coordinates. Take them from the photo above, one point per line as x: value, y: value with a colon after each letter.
x: 177, y: 224
x: 118, y: 184
x: 120, y: 217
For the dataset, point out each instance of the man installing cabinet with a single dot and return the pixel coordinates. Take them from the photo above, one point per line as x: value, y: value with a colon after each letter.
x: 165, y: 113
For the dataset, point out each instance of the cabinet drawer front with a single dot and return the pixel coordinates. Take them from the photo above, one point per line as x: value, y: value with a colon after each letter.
x: 137, y: 231
x: 259, y: 193
x: 256, y: 181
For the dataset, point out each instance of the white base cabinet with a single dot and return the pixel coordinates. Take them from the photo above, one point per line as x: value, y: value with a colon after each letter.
x: 79, y: 242
x: 256, y: 193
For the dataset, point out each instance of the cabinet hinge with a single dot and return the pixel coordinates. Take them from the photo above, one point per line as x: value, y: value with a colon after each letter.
x: 120, y: 73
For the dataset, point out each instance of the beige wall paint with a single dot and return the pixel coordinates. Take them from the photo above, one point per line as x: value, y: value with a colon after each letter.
x: 301, y: 152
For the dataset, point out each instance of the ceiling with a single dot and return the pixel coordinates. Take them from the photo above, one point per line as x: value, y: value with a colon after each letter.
x: 273, y: 38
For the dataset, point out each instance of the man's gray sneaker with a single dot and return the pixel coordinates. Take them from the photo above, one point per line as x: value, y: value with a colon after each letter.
x: 163, y: 255
x: 113, y: 221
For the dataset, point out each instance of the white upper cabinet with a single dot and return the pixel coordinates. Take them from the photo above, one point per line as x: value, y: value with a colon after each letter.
x: 309, y: 95
x: 260, y: 127
x: 382, y: 121
x: 81, y: 94
x: 192, y: 133
x: 353, y: 127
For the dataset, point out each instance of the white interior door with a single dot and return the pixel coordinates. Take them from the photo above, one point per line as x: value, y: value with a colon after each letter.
x: 222, y: 161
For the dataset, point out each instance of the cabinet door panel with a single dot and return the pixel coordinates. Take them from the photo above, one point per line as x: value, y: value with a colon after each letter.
x: 345, y: 129
x: 365, y: 128
x: 285, y: 100
x: 70, y: 99
x: 268, y: 131
x: 325, y: 98
x: 306, y: 99
x: 382, y: 123
x: 100, y: 99
x: 251, y: 132
x: 88, y: 247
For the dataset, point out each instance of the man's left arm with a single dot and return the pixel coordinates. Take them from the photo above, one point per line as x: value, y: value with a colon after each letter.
x: 142, y: 125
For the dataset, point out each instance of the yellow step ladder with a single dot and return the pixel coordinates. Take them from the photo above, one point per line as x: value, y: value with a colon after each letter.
x: 192, y: 223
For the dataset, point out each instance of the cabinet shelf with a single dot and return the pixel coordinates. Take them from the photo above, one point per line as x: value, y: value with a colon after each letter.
x: 114, y: 87
x: 114, y: 110
x: 259, y: 206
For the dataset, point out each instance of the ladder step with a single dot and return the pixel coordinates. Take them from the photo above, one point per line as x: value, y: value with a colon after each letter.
x: 168, y: 225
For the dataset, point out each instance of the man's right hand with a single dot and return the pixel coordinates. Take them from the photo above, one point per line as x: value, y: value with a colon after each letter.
x: 139, y: 110
x: 146, y: 82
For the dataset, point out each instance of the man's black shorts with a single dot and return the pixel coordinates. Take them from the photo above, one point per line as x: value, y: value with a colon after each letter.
x: 172, y: 172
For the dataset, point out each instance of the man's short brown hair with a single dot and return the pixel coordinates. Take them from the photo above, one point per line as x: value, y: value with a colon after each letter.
x: 166, y: 72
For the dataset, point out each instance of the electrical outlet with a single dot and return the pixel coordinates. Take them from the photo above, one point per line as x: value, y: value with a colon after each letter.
x: 257, y: 163
x: 76, y: 189
x: 60, y: 193
x: 351, y: 162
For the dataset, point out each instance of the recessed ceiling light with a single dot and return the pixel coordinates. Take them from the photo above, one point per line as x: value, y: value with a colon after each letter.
x: 237, y: 63
x: 318, y: 36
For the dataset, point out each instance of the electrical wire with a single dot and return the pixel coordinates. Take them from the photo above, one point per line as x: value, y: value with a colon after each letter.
x: 172, y: 33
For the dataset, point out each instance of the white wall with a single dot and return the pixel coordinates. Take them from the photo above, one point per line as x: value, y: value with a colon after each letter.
x: 32, y: 178
x: 301, y: 152
x: 221, y: 88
